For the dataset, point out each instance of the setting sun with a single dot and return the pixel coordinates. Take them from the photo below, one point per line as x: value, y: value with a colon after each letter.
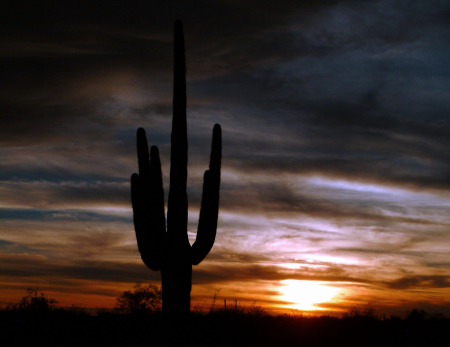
x: 304, y: 295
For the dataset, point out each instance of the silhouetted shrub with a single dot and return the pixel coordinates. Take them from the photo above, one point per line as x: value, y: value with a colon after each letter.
x: 255, y: 310
x: 140, y: 300
x: 33, y: 302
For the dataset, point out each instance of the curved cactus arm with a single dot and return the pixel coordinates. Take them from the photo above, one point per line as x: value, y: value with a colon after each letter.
x: 147, y: 198
x: 177, y: 213
x: 209, y: 210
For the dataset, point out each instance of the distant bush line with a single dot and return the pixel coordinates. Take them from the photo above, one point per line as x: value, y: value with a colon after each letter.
x: 37, y: 320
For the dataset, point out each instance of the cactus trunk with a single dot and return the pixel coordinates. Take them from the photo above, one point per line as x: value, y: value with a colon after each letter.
x: 170, y: 251
x: 176, y: 288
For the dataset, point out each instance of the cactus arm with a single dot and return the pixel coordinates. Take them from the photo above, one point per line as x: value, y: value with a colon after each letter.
x: 209, y: 210
x: 147, y: 198
x: 177, y: 205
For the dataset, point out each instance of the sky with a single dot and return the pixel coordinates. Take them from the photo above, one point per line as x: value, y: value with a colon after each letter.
x: 335, y: 185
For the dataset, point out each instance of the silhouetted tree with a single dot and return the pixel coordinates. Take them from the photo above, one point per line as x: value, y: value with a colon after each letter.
x: 171, y: 251
x: 417, y: 315
x: 367, y: 312
x: 141, y: 299
x: 33, y: 302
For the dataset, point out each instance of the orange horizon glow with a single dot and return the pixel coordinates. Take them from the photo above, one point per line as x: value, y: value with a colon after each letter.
x: 305, y: 297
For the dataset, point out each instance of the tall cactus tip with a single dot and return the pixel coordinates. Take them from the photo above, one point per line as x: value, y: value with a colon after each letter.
x: 140, y: 132
x: 217, y: 128
x: 178, y: 24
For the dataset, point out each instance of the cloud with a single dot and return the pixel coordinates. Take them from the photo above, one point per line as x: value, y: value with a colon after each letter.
x: 420, y: 282
x: 16, y: 267
x: 64, y: 195
x: 340, y: 104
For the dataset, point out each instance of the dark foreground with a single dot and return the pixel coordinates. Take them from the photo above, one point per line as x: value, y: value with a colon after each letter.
x: 64, y: 328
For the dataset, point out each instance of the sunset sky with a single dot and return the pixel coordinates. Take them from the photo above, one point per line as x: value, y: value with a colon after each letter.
x: 336, y: 148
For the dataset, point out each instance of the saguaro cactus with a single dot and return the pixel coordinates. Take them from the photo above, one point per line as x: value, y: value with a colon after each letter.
x: 170, y: 251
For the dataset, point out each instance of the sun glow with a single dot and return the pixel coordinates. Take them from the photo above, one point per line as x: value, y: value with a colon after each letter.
x: 304, y: 295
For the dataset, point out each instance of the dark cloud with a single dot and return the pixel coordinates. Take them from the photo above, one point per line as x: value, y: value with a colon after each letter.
x: 438, y: 264
x: 14, y: 248
x: 18, y: 267
x: 350, y: 128
x: 91, y: 273
x: 420, y: 282
x: 225, y: 255
x: 57, y: 196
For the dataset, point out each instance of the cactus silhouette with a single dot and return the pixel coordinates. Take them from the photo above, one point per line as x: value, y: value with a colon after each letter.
x: 170, y: 251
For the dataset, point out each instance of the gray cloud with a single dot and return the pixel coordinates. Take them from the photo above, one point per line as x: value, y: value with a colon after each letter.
x: 420, y: 282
